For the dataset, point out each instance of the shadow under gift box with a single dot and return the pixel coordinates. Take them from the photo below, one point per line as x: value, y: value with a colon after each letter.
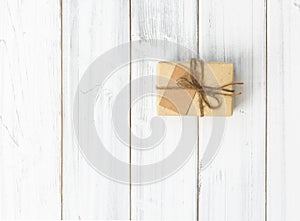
x: 176, y: 101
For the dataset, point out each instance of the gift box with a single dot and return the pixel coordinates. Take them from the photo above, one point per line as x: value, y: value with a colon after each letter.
x: 195, y: 88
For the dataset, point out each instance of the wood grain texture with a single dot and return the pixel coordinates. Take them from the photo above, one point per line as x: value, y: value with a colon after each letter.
x: 283, y: 110
x: 174, y: 198
x: 260, y: 37
x: 91, y: 28
x: 29, y: 109
x: 232, y: 186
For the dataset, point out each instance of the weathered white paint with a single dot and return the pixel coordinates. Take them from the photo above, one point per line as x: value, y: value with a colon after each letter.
x: 174, y: 198
x: 232, y: 187
x: 29, y: 109
x: 283, y: 110
x: 91, y: 28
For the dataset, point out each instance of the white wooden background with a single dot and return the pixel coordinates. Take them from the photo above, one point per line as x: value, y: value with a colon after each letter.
x: 46, y: 45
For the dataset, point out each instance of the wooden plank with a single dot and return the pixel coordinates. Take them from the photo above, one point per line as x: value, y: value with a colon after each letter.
x: 232, y: 185
x: 283, y: 110
x: 173, y: 198
x: 30, y: 109
x: 91, y: 28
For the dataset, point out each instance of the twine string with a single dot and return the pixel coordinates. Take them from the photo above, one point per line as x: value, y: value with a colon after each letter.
x: 204, y: 92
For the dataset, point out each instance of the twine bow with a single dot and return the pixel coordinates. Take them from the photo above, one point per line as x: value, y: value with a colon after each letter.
x: 202, y: 90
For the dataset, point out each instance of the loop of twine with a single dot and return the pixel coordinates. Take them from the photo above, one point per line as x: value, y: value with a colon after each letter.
x: 204, y: 91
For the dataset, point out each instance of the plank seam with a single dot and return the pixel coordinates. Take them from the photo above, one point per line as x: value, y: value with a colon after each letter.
x: 266, y: 116
x: 198, y: 122
x: 130, y: 111
x: 61, y: 110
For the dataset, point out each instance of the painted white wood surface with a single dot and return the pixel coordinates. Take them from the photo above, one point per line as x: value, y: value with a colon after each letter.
x: 232, y: 187
x: 283, y: 110
x: 91, y: 28
x: 174, y: 198
x: 29, y: 109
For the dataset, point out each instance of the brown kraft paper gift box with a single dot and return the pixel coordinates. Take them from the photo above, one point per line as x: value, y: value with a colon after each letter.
x: 173, y: 100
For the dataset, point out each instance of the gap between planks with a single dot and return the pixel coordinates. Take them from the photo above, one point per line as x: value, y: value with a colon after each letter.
x: 266, y: 114
x: 61, y: 112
